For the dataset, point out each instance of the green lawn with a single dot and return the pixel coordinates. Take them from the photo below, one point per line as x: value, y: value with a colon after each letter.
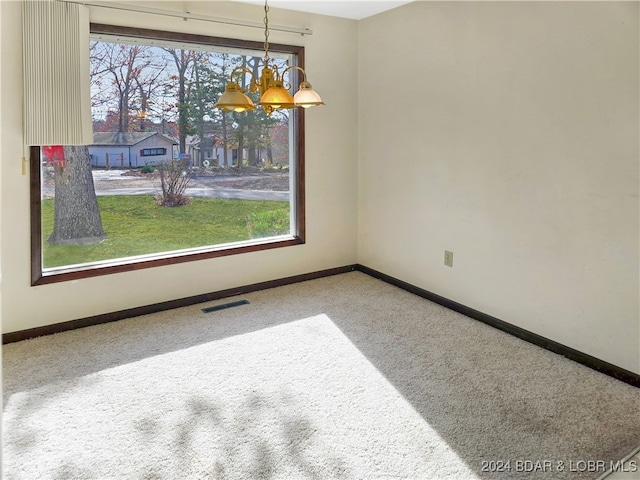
x: 135, y: 225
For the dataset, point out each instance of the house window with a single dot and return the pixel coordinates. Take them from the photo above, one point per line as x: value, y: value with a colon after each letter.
x: 96, y: 209
x: 152, y: 152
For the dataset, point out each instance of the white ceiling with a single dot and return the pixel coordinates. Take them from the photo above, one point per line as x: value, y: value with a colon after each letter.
x: 355, y: 9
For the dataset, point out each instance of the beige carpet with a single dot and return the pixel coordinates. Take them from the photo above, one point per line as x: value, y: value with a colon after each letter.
x: 344, y: 377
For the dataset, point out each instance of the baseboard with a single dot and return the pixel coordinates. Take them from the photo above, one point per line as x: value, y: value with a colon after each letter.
x: 555, y: 347
x: 158, y: 307
x: 568, y: 352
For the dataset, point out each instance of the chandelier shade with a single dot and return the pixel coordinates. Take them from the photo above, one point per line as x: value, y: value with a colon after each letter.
x: 277, y: 97
x: 271, y: 85
x: 234, y: 100
x: 307, y: 97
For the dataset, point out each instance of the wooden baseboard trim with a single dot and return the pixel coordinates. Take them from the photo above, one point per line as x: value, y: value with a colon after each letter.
x: 555, y: 347
x: 158, y: 307
x: 558, y: 348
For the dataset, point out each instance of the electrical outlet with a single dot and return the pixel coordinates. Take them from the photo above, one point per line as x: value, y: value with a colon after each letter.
x: 448, y: 258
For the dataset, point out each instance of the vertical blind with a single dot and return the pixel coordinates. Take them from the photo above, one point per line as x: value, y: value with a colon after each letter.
x: 57, y: 103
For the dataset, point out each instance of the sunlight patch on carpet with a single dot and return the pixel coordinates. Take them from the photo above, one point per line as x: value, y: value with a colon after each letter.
x: 293, y: 400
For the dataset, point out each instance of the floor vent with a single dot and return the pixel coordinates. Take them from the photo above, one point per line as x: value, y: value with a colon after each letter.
x: 225, y: 306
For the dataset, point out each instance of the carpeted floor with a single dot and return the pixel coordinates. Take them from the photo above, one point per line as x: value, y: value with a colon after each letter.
x: 344, y: 377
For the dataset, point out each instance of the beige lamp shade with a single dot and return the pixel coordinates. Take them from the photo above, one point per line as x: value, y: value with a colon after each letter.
x: 234, y: 100
x: 307, y: 97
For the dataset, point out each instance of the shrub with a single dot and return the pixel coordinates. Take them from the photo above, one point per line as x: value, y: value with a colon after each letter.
x: 148, y: 169
x: 268, y: 224
x: 174, y: 181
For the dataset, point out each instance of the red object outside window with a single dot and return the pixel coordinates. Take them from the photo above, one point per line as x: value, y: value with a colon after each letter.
x: 54, y: 154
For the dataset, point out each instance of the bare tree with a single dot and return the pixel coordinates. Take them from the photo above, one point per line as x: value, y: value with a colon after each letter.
x: 100, y: 90
x: 124, y: 65
x: 146, y: 87
x: 183, y: 60
x: 219, y: 78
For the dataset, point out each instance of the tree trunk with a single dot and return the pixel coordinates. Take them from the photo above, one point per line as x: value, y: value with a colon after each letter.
x: 200, y: 117
x: 252, y: 159
x: 76, y: 215
x: 123, y: 114
x: 241, y: 148
x: 225, y: 140
x: 182, y: 116
x: 182, y: 95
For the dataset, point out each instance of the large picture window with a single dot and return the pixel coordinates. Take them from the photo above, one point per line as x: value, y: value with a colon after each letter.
x: 168, y: 178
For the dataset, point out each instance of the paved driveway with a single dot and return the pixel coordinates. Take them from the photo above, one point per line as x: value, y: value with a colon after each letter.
x: 113, y: 182
x: 212, y: 192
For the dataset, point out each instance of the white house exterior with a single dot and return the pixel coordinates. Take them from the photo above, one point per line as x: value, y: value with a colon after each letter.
x: 213, y: 155
x: 131, y: 149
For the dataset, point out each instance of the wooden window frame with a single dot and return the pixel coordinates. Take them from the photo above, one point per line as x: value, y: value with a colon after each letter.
x: 41, y: 277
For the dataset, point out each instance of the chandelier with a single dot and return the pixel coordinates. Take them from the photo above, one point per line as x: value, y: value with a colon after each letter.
x: 273, y: 94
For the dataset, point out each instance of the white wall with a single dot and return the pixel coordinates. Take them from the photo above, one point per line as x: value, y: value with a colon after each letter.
x: 331, y: 60
x: 514, y: 133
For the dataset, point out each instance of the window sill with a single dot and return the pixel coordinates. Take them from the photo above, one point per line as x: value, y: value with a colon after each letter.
x: 76, y: 272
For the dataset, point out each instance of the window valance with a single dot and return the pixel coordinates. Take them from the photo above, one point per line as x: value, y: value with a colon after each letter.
x: 57, y: 98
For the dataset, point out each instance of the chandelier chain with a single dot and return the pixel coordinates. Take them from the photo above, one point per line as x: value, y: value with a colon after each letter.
x: 266, y: 33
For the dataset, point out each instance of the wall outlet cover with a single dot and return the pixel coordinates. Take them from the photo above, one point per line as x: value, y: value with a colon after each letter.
x: 448, y: 258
